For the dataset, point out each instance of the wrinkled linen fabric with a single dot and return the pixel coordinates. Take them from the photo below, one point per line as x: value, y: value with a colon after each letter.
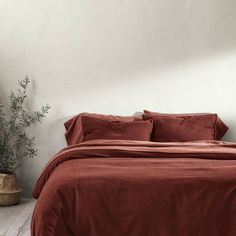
x: 138, y: 188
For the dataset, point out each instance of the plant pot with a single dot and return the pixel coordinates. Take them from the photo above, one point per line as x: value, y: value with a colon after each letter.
x: 10, y: 192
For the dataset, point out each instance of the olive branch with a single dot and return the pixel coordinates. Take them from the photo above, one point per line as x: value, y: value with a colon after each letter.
x: 15, y: 143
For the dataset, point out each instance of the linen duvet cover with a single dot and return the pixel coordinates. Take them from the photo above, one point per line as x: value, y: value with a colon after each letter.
x: 138, y: 188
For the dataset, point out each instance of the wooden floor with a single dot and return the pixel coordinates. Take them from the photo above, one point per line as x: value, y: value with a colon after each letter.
x: 15, y: 220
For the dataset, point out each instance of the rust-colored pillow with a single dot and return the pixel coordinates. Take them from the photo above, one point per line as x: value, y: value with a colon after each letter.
x: 94, y: 128
x: 74, y: 129
x: 186, y: 127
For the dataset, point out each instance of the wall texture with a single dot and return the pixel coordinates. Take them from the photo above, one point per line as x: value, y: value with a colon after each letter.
x: 116, y: 56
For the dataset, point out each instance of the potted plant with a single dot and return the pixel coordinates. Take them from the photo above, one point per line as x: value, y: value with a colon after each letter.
x: 15, y: 143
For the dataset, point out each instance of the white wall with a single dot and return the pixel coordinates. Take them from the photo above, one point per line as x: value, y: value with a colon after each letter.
x: 116, y: 56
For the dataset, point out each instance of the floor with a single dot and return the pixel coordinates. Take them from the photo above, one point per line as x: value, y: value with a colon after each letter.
x: 15, y: 220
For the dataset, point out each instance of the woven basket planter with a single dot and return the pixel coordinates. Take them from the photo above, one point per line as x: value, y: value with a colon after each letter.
x: 10, y: 192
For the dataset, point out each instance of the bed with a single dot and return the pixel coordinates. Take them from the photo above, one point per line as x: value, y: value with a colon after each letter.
x: 117, y: 187
x: 138, y: 188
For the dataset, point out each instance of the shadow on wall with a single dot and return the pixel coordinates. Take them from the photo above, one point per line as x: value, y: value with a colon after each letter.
x: 106, y: 40
x: 132, y: 38
x: 50, y: 139
x: 94, y: 45
x: 2, y: 96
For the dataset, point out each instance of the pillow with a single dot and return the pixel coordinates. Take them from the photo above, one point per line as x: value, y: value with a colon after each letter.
x: 186, y: 127
x: 94, y: 128
x: 74, y: 129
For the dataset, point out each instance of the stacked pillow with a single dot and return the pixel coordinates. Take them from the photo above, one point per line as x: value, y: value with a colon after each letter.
x: 185, y: 127
x: 74, y: 128
x: 152, y: 126
x: 94, y: 128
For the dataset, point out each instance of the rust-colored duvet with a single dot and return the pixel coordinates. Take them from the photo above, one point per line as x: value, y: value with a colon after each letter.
x: 134, y: 188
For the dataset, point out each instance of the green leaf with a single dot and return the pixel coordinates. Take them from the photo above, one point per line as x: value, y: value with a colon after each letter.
x: 14, y: 141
